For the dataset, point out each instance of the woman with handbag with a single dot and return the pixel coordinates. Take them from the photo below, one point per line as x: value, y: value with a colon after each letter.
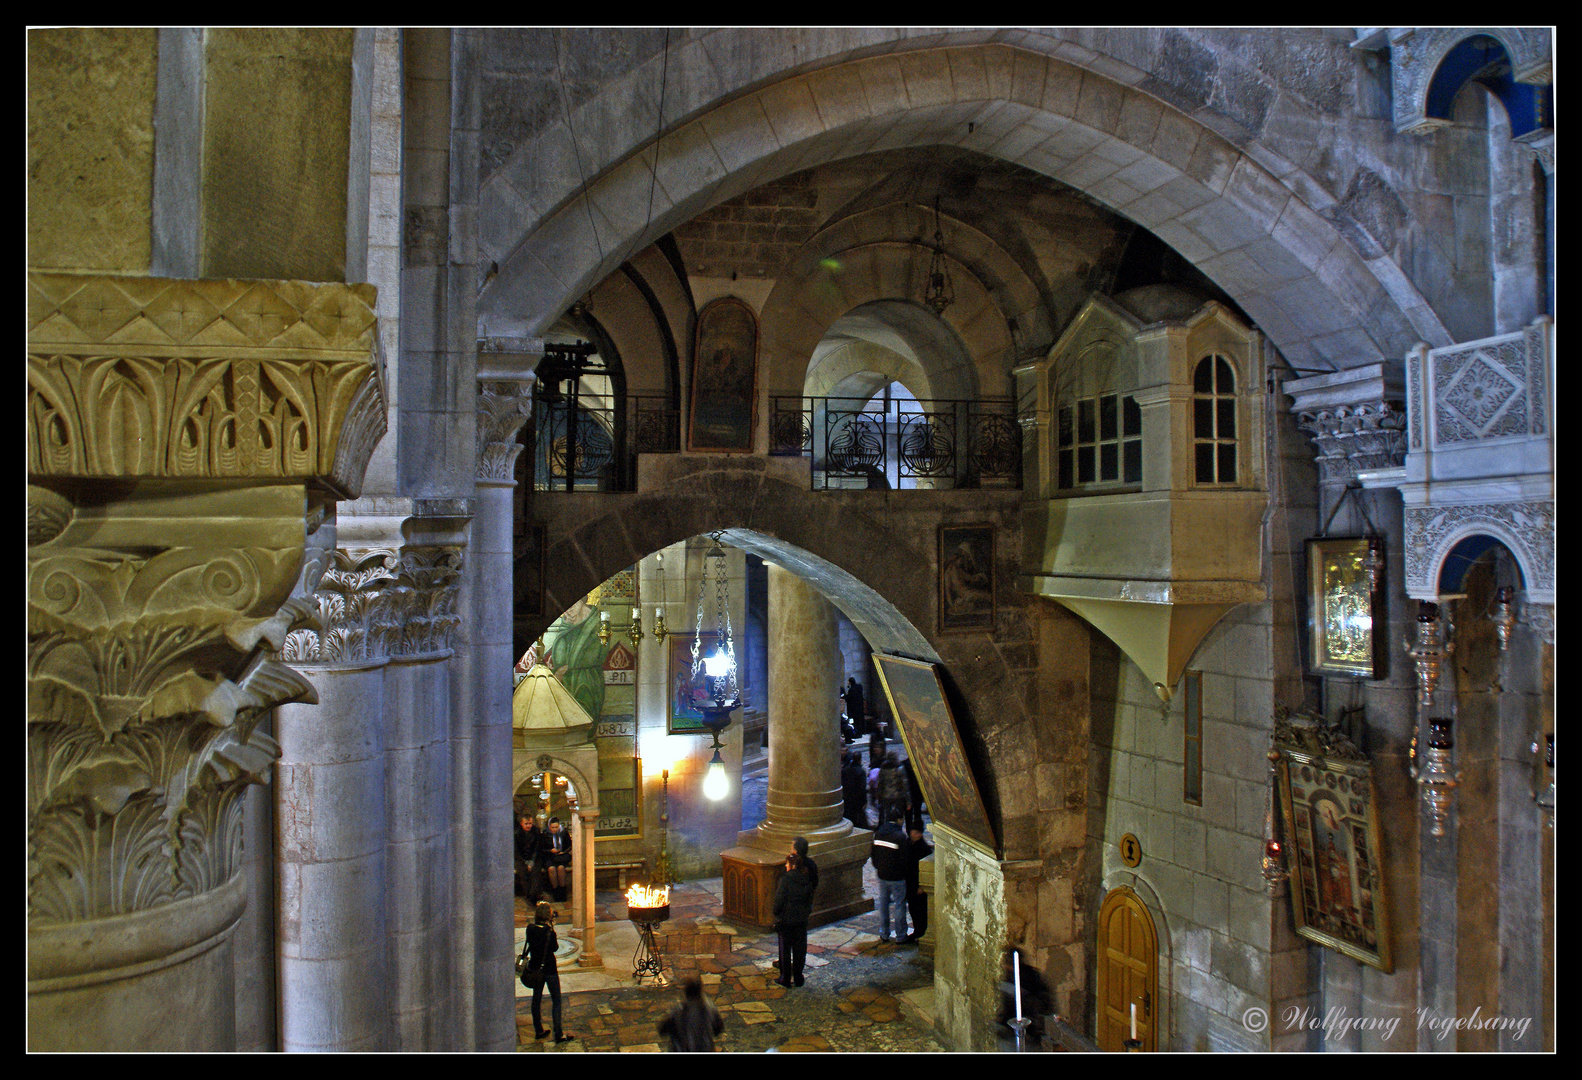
x: 539, y: 970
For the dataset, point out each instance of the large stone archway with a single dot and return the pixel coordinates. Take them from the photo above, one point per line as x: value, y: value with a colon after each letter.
x: 1250, y: 220
x: 1019, y: 691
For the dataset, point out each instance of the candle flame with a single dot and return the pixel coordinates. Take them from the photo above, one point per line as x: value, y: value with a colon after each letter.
x: 641, y: 896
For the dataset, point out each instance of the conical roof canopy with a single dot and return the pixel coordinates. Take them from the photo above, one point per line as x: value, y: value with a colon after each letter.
x: 545, y: 712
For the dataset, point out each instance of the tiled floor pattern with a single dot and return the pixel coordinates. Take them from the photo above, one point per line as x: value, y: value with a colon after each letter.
x: 861, y: 995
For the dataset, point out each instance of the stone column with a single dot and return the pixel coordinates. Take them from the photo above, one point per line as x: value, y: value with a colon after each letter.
x: 184, y: 439
x: 805, y: 797
x: 582, y: 919
x: 485, y: 660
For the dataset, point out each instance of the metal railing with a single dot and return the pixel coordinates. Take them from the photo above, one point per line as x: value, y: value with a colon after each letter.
x: 855, y: 443
x: 576, y: 447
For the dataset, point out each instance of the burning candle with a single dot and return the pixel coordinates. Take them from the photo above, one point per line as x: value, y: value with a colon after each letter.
x: 637, y: 614
x: 1016, y: 973
x: 1134, y: 1020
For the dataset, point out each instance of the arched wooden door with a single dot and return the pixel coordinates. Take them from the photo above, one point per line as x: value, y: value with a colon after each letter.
x: 1128, y: 971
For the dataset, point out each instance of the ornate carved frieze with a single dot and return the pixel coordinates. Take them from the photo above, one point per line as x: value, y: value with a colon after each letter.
x: 1417, y: 52
x: 160, y: 377
x: 151, y: 622
x: 1527, y: 528
x: 1485, y: 390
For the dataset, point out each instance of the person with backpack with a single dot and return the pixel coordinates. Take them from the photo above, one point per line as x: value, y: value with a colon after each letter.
x: 890, y: 863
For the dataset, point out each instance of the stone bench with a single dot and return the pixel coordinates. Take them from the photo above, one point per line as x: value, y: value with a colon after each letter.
x: 622, y: 865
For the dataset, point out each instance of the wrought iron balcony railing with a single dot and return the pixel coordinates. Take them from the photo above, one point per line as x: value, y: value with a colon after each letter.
x: 923, y: 444
x: 576, y: 447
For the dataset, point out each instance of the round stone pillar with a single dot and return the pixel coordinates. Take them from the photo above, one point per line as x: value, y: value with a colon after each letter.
x: 330, y: 816
x: 805, y: 797
x: 805, y: 666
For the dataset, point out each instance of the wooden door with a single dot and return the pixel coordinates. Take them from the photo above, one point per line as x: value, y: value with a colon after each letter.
x: 1128, y: 971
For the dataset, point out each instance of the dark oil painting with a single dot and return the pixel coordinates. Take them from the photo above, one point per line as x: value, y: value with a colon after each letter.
x: 725, y: 378
x: 917, y: 701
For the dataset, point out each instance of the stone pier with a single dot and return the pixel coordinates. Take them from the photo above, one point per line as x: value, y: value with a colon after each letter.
x: 804, y: 766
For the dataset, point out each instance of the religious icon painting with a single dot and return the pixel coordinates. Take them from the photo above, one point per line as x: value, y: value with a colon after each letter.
x: 687, y: 688
x: 1345, y: 596
x: 724, y: 378
x: 1332, y: 843
x: 917, y: 701
x: 966, y: 578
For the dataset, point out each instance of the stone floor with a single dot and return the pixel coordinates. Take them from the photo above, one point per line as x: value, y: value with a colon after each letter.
x: 861, y: 996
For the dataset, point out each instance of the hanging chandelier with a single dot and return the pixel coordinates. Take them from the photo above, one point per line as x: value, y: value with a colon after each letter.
x: 718, y: 665
x: 938, y: 293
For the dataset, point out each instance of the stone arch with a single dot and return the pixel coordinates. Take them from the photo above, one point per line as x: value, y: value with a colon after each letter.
x: 1222, y: 209
x: 763, y: 505
x: 526, y: 764
x: 941, y: 364
x: 1509, y: 525
x: 1424, y: 83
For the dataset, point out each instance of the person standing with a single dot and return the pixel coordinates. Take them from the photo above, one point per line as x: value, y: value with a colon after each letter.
x: 793, y: 907
x: 889, y: 862
x: 853, y: 697
x: 892, y: 792
x: 917, y: 849
x: 541, y: 970
x: 694, y: 1023
x: 854, y: 786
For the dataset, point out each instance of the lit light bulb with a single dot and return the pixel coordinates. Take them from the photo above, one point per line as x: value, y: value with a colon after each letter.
x: 715, y: 784
x: 718, y: 665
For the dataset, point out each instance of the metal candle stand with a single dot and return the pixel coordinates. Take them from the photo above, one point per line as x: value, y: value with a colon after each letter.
x: 646, y: 962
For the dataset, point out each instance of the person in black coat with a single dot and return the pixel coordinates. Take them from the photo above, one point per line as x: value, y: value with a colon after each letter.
x: 917, y: 850
x: 793, y: 908
x: 528, y: 876
x: 855, y: 708
x: 554, y: 857
x: 854, y: 786
x: 541, y: 971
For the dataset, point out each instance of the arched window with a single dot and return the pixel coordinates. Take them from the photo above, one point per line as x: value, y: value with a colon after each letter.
x: 1214, y: 420
x: 1099, y: 425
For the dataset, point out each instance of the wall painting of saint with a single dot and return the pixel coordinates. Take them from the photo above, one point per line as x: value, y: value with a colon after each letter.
x: 725, y: 378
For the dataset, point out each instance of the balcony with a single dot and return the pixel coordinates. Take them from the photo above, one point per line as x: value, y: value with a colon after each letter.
x: 921, y: 445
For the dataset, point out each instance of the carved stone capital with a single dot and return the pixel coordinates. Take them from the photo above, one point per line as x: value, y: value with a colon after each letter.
x: 202, y: 380
x: 185, y: 442
x: 348, y: 619
x: 1356, y: 418
x: 151, y: 624
x: 503, y: 407
x: 372, y: 605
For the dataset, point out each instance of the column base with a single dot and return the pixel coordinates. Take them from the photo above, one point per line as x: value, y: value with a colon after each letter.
x: 751, y: 874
